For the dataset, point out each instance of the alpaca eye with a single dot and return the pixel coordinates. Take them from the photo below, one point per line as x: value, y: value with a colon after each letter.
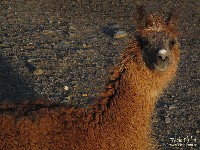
x: 144, y: 42
x: 172, y: 42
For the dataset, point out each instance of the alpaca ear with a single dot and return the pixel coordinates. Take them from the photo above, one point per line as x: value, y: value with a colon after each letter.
x: 172, y: 19
x: 141, y: 17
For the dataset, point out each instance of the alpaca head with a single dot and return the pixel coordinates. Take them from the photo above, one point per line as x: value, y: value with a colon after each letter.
x: 157, y: 39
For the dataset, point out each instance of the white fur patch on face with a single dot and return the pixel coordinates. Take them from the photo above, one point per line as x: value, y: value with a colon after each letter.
x: 162, y: 52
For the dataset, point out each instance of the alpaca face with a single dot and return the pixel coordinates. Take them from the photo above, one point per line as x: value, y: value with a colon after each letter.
x: 156, y: 38
x: 157, y: 49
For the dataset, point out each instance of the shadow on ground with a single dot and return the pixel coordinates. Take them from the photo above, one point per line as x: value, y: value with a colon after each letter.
x: 13, y: 86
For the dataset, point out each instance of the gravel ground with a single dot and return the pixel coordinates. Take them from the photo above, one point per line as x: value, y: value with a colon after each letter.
x: 64, y: 50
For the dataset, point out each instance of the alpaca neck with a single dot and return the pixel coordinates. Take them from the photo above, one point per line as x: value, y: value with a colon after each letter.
x: 138, y: 92
x: 136, y: 104
x: 129, y: 115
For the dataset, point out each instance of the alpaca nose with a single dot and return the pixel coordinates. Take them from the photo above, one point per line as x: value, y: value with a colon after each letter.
x: 162, y: 55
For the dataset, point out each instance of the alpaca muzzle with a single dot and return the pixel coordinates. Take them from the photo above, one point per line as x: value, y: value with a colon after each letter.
x: 162, y: 60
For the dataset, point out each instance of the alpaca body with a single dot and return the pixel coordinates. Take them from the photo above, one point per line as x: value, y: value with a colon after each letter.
x: 120, y: 120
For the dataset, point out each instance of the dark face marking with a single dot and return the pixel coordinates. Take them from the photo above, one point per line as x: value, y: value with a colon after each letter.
x: 156, y: 50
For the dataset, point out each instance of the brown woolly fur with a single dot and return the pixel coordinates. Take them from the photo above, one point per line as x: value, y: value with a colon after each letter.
x: 120, y: 120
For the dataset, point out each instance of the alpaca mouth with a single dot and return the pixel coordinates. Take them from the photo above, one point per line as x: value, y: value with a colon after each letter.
x: 161, y: 66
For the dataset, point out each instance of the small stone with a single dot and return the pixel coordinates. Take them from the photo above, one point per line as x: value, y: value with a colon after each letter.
x: 3, y: 45
x: 30, y: 60
x: 172, y: 107
x: 115, y: 26
x: 68, y: 98
x: 38, y: 72
x: 84, y: 95
x: 76, y: 88
x: 46, y: 46
x: 72, y: 28
x: 50, y: 21
x: 63, y: 64
x: 156, y: 120
x: 66, y: 88
x: 86, y: 46
x: 72, y: 34
x: 29, y: 47
x: 65, y: 43
x: 198, y: 131
x: 48, y: 32
x: 114, y: 43
x: 120, y: 34
x: 167, y: 120
x: 61, y: 45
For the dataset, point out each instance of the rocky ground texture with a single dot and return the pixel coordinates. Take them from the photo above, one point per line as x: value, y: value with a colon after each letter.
x: 63, y: 50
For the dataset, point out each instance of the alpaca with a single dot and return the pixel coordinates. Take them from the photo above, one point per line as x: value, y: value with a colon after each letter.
x: 121, y: 118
